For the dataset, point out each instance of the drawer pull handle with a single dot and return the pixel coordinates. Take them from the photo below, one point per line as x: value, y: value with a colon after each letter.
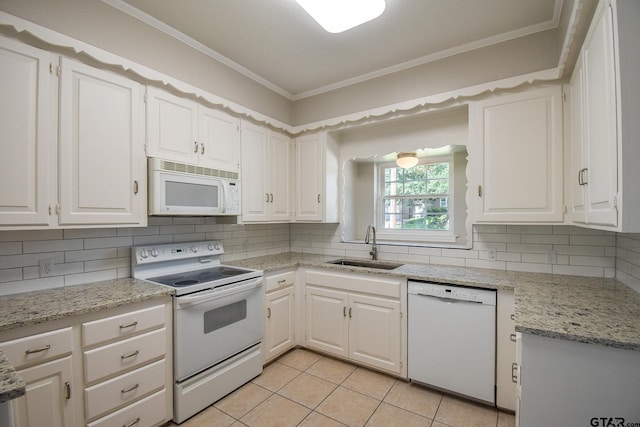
x: 132, y: 423
x: 282, y: 282
x: 67, y: 390
x: 349, y: 312
x: 129, y: 325
x: 127, y: 356
x: 344, y: 311
x: 38, y: 350
x: 268, y: 312
x: 514, y: 372
x: 512, y: 337
x: 513, y: 317
x: 127, y: 390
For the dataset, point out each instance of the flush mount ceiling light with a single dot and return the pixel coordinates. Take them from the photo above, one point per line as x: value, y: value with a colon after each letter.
x: 407, y: 160
x: 337, y: 16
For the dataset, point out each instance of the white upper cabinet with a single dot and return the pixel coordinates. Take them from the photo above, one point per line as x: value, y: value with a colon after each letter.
x: 102, y: 162
x: 515, y: 157
x: 219, y: 139
x: 184, y: 131
x: 604, y: 124
x: 27, y: 140
x: 316, y: 178
x: 266, y: 176
x: 87, y: 168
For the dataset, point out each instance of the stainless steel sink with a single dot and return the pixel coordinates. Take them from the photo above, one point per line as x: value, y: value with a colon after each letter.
x: 367, y: 264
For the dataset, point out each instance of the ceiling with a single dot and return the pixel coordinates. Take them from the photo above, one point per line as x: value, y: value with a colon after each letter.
x: 277, y: 44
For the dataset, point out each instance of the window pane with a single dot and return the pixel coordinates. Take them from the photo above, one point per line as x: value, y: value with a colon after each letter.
x: 438, y: 170
x: 438, y: 222
x: 437, y: 186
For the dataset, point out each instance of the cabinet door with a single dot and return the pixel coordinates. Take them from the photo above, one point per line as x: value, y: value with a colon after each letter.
x: 254, y: 163
x: 49, y: 400
x: 279, y: 326
x: 102, y: 162
x: 219, y: 140
x: 280, y: 169
x: 309, y: 178
x: 520, y: 155
x: 172, y: 126
x: 601, y: 128
x: 26, y: 139
x: 374, y: 331
x: 506, y: 350
x: 576, y: 117
x: 327, y: 322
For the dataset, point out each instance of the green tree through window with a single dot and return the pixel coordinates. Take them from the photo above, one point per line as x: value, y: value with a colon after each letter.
x: 417, y: 198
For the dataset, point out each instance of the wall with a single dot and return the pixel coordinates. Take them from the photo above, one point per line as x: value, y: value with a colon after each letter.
x: 628, y: 259
x: 103, y: 26
x: 580, y: 251
x: 83, y: 256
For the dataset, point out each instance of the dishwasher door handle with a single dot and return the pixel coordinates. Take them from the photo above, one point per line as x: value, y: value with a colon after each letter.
x: 449, y: 300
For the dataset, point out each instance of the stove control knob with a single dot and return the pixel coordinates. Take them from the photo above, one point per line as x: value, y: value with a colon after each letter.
x: 194, y: 249
x: 216, y: 245
x: 144, y: 253
x: 154, y: 252
x: 210, y: 247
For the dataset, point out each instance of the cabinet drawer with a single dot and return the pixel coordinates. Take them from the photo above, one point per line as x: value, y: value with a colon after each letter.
x: 122, y: 326
x: 355, y: 283
x: 147, y: 412
x: 126, y: 388
x: 279, y: 280
x: 38, y: 348
x: 113, y: 358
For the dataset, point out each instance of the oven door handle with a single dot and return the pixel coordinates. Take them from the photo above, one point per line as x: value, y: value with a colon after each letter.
x: 184, y: 301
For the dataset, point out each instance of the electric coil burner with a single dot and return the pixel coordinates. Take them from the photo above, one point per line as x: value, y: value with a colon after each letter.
x: 218, y: 311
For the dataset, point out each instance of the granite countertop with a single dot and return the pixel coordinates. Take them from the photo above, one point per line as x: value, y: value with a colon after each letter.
x: 583, y: 309
x: 31, y: 308
x: 11, y: 385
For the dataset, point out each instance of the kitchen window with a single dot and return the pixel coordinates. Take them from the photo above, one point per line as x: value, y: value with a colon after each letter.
x: 416, y: 204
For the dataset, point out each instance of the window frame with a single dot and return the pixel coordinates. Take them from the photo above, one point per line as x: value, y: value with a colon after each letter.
x: 416, y: 235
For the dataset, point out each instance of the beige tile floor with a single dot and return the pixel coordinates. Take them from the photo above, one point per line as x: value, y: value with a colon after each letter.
x: 303, y: 388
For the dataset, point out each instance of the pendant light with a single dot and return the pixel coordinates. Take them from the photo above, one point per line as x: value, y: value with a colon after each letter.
x: 407, y: 160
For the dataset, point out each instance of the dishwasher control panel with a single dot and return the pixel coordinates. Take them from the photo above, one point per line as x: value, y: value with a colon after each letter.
x: 438, y: 290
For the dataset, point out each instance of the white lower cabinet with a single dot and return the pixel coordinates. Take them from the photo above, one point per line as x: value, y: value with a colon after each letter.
x: 126, y: 367
x: 357, y: 317
x: 121, y: 358
x: 280, y: 306
x: 44, y: 362
x: 506, y: 350
x: 573, y: 384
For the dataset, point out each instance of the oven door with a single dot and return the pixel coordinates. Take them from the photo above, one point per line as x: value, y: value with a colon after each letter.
x: 212, y: 325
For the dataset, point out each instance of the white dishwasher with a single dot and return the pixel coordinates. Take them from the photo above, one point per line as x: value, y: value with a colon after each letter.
x: 452, y: 338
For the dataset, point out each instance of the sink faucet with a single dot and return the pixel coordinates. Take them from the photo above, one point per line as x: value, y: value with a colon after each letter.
x: 374, y: 250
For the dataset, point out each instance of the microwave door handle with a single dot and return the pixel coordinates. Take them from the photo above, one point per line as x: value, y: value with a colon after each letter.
x: 223, y: 202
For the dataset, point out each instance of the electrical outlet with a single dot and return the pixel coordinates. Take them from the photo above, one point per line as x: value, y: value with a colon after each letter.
x: 492, y: 254
x: 552, y: 257
x: 46, y: 267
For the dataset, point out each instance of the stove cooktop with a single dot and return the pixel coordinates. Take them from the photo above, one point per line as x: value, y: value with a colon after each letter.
x: 190, y: 278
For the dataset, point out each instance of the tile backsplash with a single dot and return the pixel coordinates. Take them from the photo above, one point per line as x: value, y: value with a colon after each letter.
x: 87, y: 255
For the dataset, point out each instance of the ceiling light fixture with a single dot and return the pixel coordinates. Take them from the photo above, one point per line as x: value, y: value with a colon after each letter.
x: 407, y: 160
x: 337, y: 16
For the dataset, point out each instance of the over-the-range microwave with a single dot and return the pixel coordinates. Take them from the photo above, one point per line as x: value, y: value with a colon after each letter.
x: 189, y: 190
